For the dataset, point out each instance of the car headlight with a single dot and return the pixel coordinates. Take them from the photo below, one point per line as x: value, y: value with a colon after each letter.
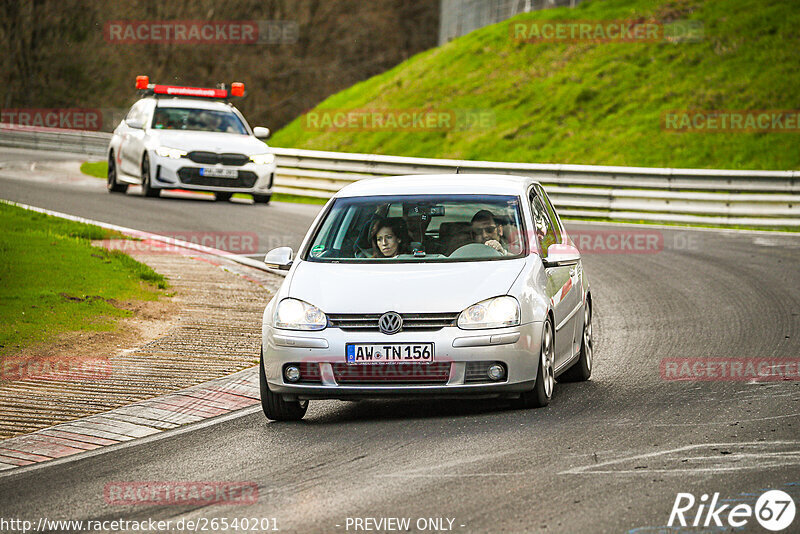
x: 495, y: 312
x: 262, y: 159
x: 294, y: 314
x: 167, y: 152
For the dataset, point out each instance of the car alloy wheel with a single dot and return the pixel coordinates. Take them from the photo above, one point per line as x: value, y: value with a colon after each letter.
x: 588, y: 347
x: 582, y: 369
x: 542, y: 391
x: 147, y: 189
x: 548, y: 363
x: 112, y: 184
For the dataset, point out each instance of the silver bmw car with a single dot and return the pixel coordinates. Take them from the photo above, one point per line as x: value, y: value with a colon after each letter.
x: 433, y: 285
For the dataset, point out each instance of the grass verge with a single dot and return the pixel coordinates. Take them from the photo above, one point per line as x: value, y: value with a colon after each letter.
x: 98, y: 169
x: 52, y: 280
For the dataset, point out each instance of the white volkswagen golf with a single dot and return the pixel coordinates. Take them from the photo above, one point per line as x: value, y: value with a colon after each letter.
x: 445, y: 285
x: 190, y: 138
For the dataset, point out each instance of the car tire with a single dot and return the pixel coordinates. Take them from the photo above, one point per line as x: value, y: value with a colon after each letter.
x: 274, y: 406
x: 147, y: 188
x: 262, y: 199
x: 542, y: 390
x: 582, y: 369
x: 222, y: 197
x: 112, y: 184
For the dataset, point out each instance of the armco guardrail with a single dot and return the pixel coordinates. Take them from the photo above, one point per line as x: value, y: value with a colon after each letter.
x: 697, y: 196
x: 717, y: 197
x: 77, y: 141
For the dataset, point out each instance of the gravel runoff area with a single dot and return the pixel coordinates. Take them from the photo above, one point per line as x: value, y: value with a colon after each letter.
x: 214, y: 330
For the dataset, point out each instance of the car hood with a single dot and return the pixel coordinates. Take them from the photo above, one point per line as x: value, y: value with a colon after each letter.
x: 404, y: 288
x: 208, y: 141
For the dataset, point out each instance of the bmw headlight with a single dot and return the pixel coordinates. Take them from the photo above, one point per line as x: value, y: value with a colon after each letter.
x: 294, y: 314
x: 167, y: 152
x: 262, y: 159
x: 495, y: 312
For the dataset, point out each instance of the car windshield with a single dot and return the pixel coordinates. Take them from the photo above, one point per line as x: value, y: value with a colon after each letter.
x: 420, y: 228
x: 203, y: 120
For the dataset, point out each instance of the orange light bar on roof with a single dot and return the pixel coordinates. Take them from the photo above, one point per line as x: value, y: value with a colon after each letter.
x: 237, y: 89
x: 142, y: 81
x: 189, y: 91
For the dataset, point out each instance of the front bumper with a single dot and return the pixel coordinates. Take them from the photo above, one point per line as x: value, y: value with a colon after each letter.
x: 517, y: 348
x: 169, y: 173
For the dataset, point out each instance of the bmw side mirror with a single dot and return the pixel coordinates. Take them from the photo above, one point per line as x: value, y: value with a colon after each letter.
x: 261, y: 132
x: 135, y: 123
x: 559, y: 255
x: 279, y: 258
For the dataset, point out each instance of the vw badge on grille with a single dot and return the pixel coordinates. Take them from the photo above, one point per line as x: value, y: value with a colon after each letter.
x: 390, y: 323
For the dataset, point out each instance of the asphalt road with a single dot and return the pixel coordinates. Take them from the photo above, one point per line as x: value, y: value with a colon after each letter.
x: 50, y: 185
x: 608, y: 455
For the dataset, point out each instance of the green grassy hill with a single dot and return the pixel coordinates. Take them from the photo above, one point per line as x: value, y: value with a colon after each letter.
x: 591, y: 103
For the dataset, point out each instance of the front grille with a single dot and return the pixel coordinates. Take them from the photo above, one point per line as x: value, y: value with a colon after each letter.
x: 417, y: 322
x: 392, y: 373
x: 212, y: 158
x: 191, y: 176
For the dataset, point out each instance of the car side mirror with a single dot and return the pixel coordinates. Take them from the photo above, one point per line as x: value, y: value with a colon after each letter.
x: 261, y: 132
x: 559, y: 255
x: 279, y: 258
x: 135, y: 123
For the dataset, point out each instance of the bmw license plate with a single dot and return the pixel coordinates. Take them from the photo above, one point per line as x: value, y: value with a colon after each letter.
x: 371, y: 353
x: 214, y: 172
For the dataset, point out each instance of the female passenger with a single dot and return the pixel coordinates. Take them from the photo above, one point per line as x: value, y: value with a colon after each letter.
x: 389, y: 238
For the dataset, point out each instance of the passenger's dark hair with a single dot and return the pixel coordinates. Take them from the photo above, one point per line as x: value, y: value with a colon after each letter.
x: 399, y: 229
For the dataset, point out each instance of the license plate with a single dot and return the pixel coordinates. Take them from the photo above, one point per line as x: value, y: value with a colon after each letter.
x: 372, y: 353
x: 213, y: 172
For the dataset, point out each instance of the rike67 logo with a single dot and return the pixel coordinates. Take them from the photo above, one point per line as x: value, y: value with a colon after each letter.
x: 774, y: 510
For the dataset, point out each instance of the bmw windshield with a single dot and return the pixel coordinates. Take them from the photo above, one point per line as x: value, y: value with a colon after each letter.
x: 201, y: 120
x: 420, y: 228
